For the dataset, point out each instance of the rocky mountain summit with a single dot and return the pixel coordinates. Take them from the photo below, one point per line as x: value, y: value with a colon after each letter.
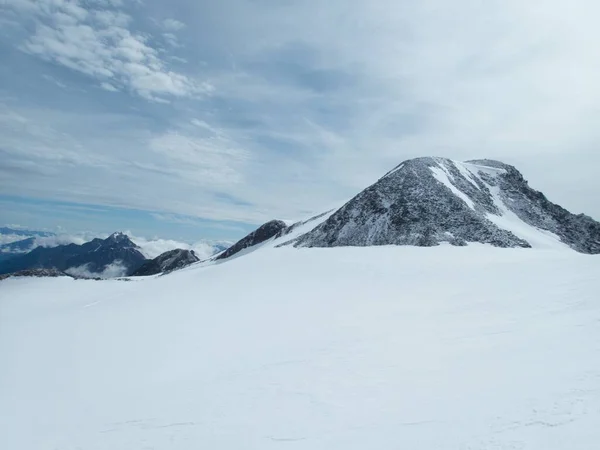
x: 167, y: 262
x: 428, y: 201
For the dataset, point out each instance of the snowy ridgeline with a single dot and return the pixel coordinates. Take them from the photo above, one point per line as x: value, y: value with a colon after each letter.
x: 345, y: 348
x: 422, y: 202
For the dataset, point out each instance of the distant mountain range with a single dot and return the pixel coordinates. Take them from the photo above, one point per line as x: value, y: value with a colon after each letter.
x: 117, y: 255
x: 94, y: 256
x: 422, y: 202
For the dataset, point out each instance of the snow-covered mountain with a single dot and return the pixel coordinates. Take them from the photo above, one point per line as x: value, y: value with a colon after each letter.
x: 427, y: 201
x: 83, y: 259
x: 93, y: 257
x: 167, y: 262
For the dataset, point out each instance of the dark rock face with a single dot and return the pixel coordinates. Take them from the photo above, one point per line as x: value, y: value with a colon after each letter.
x: 261, y: 234
x: 427, y: 201
x: 96, y: 255
x: 167, y: 262
x: 53, y: 273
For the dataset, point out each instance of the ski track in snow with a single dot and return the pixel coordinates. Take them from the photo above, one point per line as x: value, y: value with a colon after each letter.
x: 345, y: 348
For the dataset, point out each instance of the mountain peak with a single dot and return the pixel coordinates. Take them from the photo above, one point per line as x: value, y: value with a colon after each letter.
x: 430, y: 200
x: 118, y: 236
x: 95, y: 256
x: 121, y: 239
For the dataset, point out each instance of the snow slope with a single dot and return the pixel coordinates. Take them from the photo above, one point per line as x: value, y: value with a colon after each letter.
x: 338, y: 348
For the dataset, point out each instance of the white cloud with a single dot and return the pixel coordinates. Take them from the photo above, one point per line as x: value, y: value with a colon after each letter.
x: 175, y: 218
x: 108, y: 87
x: 154, y: 247
x: 151, y: 248
x: 99, y: 43
x: 61, y: 239
x: 305, y: 114
x: 51, y: 241
x: 113, y: 270
x: 46, y: 146
x: 171, y: 39
x: 212, y: 159
x: 55, y: 81
x: 9, y: 238
x: 206, y: 249
x: 173, y: 25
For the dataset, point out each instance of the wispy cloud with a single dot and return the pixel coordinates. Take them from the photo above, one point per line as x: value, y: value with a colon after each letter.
x: 175, y: 218
x: 113, y: 270
x: 108, y: 87
x: 171, y: 39
x: 210, y: 159
x: 173, y: 24
x: 99, y: 43
x: 204, y: 249
x: 54, y: 80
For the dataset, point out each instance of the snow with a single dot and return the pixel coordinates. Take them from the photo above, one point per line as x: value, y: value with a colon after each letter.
x: 536, y: 237
x: 343, y: 348
x: 476, y: 168
x: 465, y: 172
x: 443, y: 177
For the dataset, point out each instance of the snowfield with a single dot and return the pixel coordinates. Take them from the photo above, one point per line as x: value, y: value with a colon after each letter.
x: 320, y: 349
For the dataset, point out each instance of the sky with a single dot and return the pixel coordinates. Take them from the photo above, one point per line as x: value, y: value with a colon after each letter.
x: 193, y: 119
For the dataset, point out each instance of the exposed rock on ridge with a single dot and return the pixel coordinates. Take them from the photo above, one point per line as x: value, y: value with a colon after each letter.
x: 258, y: 236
